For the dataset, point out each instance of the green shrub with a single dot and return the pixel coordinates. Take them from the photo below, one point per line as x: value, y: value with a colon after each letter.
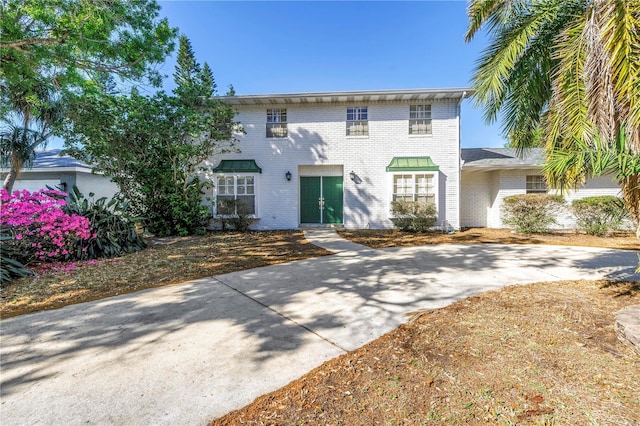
x: 239, y: 219
x: 113, y: 228
x: 531, y: 213
x: 171, y: 211
x: 599, y: 215
x: 413, y: 216
x: 10, y: 268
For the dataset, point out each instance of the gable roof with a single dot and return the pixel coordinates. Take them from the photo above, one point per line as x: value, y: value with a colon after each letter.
x: 353, y: 96
x: 500, y: 158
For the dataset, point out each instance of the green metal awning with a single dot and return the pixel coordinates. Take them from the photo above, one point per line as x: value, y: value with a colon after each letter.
x: 412, y: 164
x: 238, y: 166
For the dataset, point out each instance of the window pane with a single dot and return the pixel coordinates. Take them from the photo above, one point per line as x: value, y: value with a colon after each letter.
x: 536, y: 183
x: 224, y: 205
x: 246, y: 204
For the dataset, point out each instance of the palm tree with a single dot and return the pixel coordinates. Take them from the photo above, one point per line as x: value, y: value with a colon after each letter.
x: 32, y: 119
x: 565, y: 74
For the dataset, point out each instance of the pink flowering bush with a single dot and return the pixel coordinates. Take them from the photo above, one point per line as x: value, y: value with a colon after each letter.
x: 41, y: 230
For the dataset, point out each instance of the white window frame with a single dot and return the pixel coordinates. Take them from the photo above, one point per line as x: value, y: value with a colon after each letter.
x: 412, y: 174
x: 536, y: 184
x: 234, y: 179
x: 414, y: 187
x: 357, y: 121
x: 420, y: 123
x: 276, y: 126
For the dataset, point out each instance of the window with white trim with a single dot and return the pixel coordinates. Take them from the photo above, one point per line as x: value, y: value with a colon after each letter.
x: 414, y: 187
x: 536, y: 184
x: 235, y: 195
x: 420, y: 119
x: 277, y: 123
x: 357, y: 121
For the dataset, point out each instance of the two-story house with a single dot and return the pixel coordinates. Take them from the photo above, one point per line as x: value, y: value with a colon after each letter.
x: 341, y: 158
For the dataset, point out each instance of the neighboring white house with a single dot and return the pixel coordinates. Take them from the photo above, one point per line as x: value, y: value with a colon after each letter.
x: 491, y: 174
x: 56, y: 171
x: 342, y: 157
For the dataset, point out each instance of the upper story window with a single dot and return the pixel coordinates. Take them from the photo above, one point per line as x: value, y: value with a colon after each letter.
x: 420, y: 119
x: 536, y: 184
x: 277, y: 123
x: 357, y: 121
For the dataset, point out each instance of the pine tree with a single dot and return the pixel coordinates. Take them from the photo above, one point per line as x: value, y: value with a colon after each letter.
x: 207, y: 83
x: 188, y: 72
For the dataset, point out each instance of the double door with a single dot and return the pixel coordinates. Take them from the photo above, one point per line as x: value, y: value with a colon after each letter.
x: 321, y: 199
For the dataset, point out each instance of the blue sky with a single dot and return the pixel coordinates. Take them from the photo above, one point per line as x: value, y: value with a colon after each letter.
x: 288, y: 47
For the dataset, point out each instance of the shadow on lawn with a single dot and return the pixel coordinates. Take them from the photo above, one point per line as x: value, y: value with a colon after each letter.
x: 624, y: 288
x: 347, y: 299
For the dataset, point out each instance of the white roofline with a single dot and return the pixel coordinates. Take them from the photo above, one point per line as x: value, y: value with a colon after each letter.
x: 51, y: 170
x: 350, y: 96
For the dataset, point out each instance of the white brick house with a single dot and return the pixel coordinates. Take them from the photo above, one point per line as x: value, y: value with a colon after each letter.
x: 341, y: 158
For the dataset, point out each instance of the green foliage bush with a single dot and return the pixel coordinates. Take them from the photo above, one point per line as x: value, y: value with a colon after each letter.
x: 175, y: 209
x: 531, y: 213
x: 113, y: 227
x: 10, y: 268
x: 239, y: 221
x: 599, y: 215
x: 413, y: 216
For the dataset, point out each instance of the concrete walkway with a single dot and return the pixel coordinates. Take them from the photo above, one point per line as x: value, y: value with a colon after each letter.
x: 188, y: 353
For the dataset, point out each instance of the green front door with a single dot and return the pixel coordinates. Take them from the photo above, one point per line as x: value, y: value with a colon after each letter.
x: 332, y: 199
x: 321, y: 199
x: 310, y: 196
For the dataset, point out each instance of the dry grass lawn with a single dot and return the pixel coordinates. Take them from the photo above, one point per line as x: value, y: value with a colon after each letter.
x: 395, y: 238
x: 539, y: 354
x: 166, y: 261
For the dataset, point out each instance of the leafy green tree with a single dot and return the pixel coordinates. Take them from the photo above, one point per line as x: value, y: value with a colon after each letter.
x: 26, y: 128
x: 564, y: 74
x: 155, y: 147
x: 50, y: 48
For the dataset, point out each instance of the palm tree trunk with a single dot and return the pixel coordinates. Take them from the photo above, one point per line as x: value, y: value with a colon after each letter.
x: 10, y: 179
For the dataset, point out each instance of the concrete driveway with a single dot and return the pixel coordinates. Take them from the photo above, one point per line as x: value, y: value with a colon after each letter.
x: 188, y: 353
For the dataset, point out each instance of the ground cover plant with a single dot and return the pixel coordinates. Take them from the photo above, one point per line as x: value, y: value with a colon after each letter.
x: 540, y: 354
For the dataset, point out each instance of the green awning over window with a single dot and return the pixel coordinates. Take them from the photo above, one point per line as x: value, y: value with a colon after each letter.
x: 238, y: 166
x: 412, y: 164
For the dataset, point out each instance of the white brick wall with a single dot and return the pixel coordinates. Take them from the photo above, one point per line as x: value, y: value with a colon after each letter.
x: 317, y: 136
x: 483, y: 192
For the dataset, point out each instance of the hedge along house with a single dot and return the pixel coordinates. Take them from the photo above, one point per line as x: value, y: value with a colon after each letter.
x: 491, y: 174
x: 341, y: 158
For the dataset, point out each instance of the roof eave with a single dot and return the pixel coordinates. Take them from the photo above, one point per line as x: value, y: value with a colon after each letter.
x: 352, y: 96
